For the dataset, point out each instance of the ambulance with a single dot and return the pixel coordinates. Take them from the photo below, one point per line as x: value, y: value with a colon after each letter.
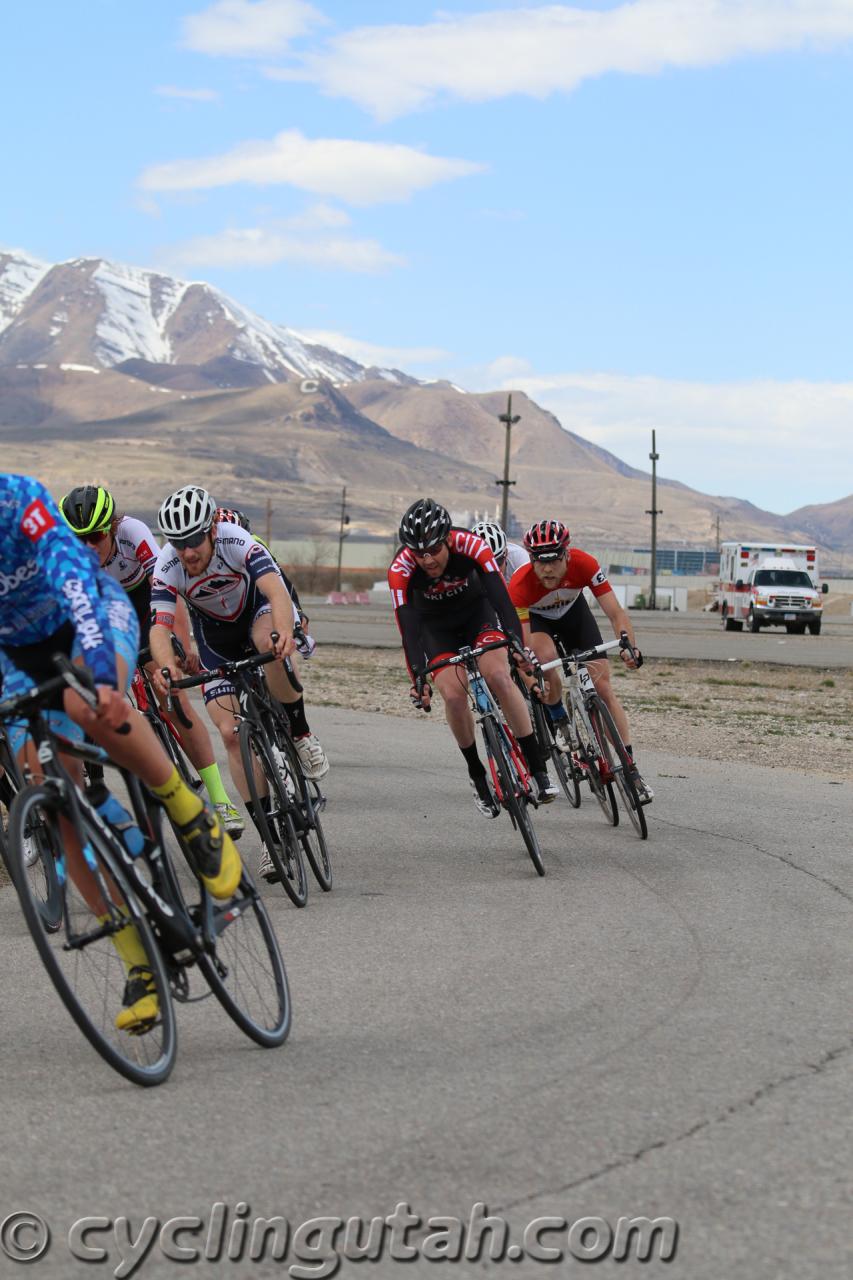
x: 763, y: 584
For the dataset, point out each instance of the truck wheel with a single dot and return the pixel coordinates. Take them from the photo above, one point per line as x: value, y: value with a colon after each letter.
x: 754, y: 624
x: 814, y: 627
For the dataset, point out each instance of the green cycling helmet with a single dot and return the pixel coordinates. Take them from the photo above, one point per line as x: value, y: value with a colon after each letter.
x: 88, y: 509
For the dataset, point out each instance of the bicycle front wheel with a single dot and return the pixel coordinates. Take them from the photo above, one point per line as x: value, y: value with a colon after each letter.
x: 102, y: 938
x: 512, y: 794
x: 273, y: 814
x: 246, y: 973
x: 309, y: 828
x: 620, y: 765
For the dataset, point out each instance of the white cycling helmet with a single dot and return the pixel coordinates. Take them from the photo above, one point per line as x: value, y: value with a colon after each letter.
x: 493, y: 534
x: 185, y: 513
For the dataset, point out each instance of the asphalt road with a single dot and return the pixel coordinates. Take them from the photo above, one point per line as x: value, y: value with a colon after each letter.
x: 660, y: 635
x: 656, y: 1029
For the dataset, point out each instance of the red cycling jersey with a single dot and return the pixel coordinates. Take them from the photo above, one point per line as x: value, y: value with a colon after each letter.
x: 529, y: 595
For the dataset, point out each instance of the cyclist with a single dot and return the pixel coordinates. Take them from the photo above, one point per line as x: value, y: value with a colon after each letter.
x: 509, y: 555
x: 55, y: 598
x: 548, y: 594
x: 127, y: 549
x: 447, y: 592
x: 237, y: 598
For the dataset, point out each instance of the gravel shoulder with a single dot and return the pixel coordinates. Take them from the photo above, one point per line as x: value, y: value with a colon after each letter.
x: 778, y: 716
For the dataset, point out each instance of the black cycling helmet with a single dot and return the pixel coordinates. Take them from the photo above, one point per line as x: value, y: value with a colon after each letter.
x: 425, y: 524
x: 88, y: 509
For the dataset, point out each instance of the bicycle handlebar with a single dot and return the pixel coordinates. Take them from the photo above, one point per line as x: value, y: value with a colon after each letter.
x: 585, y: 655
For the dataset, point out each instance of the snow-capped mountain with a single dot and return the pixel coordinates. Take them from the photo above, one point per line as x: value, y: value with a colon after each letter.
x: 101, y: 314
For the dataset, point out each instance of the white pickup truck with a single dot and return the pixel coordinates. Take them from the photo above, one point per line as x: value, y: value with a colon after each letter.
x: 767, y: 586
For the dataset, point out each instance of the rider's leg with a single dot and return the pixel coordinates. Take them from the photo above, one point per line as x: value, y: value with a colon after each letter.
x: 312, y: 757
x: 497, y: 675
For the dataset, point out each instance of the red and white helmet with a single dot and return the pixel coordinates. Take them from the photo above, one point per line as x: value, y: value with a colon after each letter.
x: 546, y: 540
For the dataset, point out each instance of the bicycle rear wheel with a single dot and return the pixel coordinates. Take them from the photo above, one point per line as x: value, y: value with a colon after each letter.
x: 563, y: 766
x: 82, y: 957
x: 598, y: 766
x: 620, y: 765
x: 512, y: 795
x: 275, y: 822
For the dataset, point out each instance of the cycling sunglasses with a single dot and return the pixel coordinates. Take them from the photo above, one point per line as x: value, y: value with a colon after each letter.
x: 92, y: 539
x: 433, y: 550
x: 191, y: 541
x: 546, y: 556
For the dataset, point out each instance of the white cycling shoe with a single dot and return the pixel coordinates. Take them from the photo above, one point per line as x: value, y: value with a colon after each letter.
x: 312, y: 757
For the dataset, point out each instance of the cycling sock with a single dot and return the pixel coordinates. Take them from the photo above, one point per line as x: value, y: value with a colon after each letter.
x: 556, y: 711
x: 296, y: 716
x: 532, y: 753
x: 212, y: 779
x: 128, y: 944
x: 630, y: 750
x: 472, y: 759
x: 182, y: 805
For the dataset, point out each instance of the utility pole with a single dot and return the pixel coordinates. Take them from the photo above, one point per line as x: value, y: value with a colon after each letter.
x: 654, y: 512
x: 509, y: 422
x: 343, y: 532
x: 718, y: 533
x: 268, y: 528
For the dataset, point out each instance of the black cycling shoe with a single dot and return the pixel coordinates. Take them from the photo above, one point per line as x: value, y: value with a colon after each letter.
x: 141, y: 1005
x: 547, y: 789
x: 486, y: 803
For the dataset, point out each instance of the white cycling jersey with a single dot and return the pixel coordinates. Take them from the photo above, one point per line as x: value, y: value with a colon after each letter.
x: 516, y: 556
x: 225, y: 590
x: 134, y: 553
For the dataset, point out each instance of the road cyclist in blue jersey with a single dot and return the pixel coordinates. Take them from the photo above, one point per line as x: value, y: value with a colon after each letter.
x: 55, y: 598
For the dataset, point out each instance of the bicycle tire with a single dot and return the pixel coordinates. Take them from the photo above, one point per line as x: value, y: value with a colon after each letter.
x: 82, y: 973
x: 277, y: 831
x: 310, y: 830
x: 563, y: 766
x: 593, y: 754
x: 515, y: 805
x: 242, y: 994
x: 612, y: 742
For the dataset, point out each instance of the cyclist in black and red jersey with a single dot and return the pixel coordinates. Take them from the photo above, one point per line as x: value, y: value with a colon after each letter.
x: 548, y: 594
x: 448, y: 592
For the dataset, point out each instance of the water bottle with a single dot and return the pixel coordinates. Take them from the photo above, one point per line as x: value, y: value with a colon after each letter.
x: 117, y: 817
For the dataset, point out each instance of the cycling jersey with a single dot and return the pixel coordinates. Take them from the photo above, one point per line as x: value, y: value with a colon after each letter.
x: 134, y: 553
x: 516, y: 557
x: 225, y: 591
x: 50, y: 578
x: 529, y: 595
x: 470, y: 575
x: 231, y: 517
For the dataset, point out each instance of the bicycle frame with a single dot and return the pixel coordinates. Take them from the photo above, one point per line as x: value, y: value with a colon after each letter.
x: 580, y: 686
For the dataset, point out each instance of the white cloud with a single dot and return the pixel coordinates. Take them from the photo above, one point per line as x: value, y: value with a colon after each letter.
x: 781, y: 444
x: 370, y: 353
x: 264, y: 247
x: 554, y: 48
x: 249, y: 28
x: 189, y: 95
x: 361, y: 173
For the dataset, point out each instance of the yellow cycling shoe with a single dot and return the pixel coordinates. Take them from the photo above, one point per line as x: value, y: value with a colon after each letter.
x: 212, y: 854
x: 141, y: 1004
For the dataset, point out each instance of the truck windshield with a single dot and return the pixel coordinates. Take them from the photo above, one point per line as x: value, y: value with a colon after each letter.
x: 782, y: 578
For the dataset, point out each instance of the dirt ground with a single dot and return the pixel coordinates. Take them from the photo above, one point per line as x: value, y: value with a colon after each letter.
x: 784, y: 717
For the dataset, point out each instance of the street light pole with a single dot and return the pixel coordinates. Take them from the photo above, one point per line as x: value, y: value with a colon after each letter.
x: 509, y: 422
x: 654, y: 512
x: 343, y: 532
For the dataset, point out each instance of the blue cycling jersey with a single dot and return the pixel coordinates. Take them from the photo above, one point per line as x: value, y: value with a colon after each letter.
x: 49, y: 578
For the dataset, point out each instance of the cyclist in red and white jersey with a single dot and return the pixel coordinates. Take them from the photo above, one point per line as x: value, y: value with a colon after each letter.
x: 127, y: 549
x: 448, y: 592
x: 548, y: 594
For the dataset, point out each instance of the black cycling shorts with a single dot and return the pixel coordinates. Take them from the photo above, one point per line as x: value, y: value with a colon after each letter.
x: 444, y: 637
x: 577, y: 628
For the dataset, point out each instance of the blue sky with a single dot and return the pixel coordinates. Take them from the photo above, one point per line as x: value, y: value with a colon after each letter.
x: 638, y: 212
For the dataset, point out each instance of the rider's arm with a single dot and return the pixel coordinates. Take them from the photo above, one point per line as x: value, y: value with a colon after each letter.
x: 284, y: 615
x: 498, y: 597
x: 72, y: 572
x: 619, y: 619
x: 405, y: 614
